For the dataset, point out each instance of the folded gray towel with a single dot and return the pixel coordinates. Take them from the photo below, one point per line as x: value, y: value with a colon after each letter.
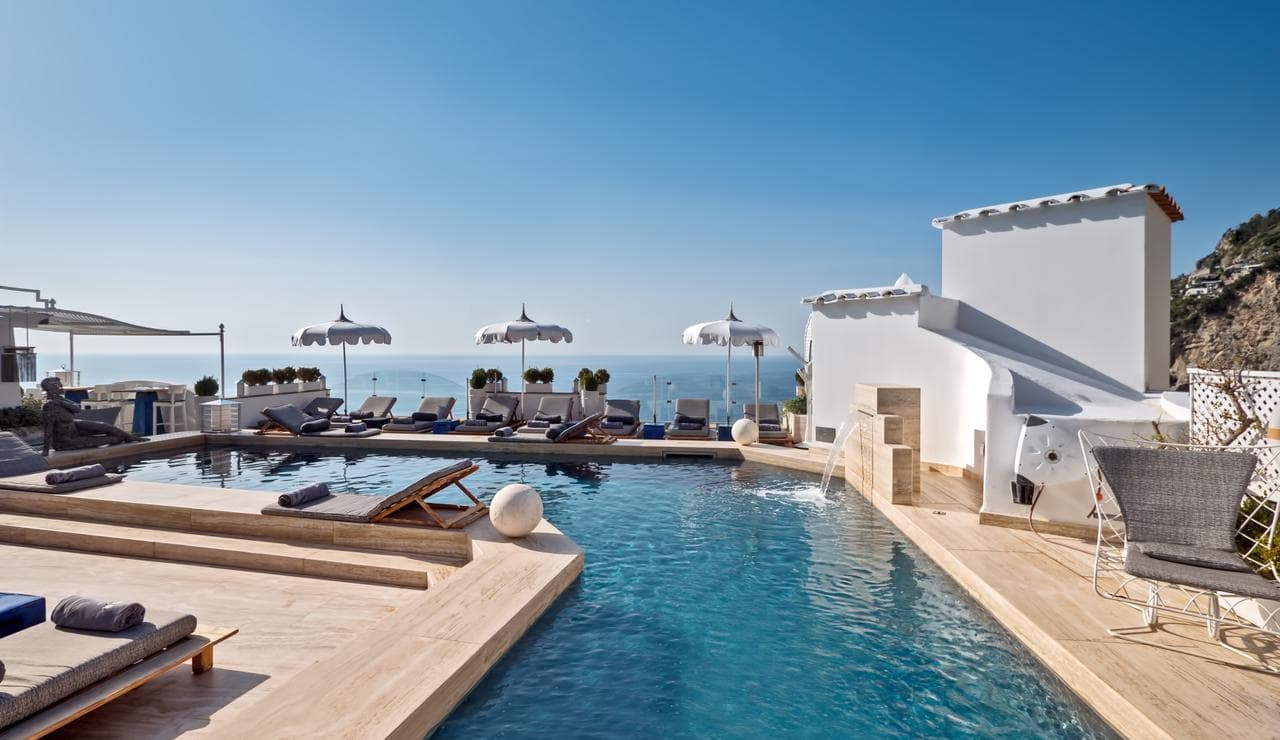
x: 302, y: 495
x: 84, y: 472
x: 504, y: 432
x: 357, y: 427
x: 539, y: 424
x: 84, y: 613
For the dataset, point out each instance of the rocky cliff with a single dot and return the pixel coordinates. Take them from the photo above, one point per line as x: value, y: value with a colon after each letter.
x: 1227, y: 311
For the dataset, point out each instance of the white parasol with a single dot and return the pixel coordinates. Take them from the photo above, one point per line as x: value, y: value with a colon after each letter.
x: 731, y: 332
x: 342, y: 331
x: 523, y: 329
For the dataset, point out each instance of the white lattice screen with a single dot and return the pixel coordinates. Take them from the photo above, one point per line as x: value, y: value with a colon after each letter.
x: 1212, y: 408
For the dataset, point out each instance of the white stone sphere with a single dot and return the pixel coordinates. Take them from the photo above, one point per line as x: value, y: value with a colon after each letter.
x: 516, y: 509
x: 745, y: 432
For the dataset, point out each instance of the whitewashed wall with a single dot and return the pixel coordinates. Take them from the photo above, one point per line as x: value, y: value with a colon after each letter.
x: 893, y: 348
x: 1084, y: 283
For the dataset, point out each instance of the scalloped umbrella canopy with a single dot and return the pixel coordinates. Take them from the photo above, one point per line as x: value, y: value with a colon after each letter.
x: 342, y: 331
x: 731, y: 332
x: 523, y: 329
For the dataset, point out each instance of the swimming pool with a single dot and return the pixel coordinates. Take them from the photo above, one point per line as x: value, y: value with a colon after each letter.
x: 716, y: 600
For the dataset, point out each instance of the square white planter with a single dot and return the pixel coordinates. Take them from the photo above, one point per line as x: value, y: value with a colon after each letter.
x: 315, y: 385
x: 537, y: 387
x: 279, y: 388
x: 592, y: 402
x: 798, y: 424
x: 248, y: 391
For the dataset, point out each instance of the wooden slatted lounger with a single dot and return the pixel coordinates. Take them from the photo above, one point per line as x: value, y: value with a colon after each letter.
x: 397, y: 508
x: 80, y: 652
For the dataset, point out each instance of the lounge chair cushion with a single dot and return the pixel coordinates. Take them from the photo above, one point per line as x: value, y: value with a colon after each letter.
x: 342, y: 432
x: 424, y: 416
x: 288, y: 416
x: 538, y: 424
x: 555, y: 430
x: 354, y: 427
x: 611, y: 424
x: 35, y: 483
x: 696, y: 421
x: 487, y: 417
x: 434, y: 408
x: 1197, y: 556
x: 407, y: 426
x: 323, y: 406
x: 360, y: 415
x: 1178, y: 497
x: 690, y: 426
x: 501, y: 406
x: 18, y: 457
x: 620, y: 419
x: 313, y: 426
x: 770, y: 427
x: 354, y: 507
x: 549, y: 418
x: 45, y: 664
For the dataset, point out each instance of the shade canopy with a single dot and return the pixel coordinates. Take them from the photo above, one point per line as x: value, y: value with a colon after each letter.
x: 730, y: 331
x: 79, y: 322
x: 341, y: 331
x: 523, y: 329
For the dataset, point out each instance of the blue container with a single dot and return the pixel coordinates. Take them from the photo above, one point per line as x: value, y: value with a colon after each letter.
x: 724, y: 432
x: 655, y: 431
x: 444, y: 426
x: 19, y: 611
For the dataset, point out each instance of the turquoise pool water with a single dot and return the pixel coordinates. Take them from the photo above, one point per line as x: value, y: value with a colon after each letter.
x: 717, y: 601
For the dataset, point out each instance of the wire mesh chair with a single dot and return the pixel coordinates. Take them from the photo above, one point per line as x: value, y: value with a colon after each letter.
x: 1218, y: 594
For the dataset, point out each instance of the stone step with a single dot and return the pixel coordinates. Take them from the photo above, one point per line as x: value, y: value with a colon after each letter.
x: 409, y: 571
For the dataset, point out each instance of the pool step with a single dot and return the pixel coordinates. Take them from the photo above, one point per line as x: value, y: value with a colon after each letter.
x: 409, y: 571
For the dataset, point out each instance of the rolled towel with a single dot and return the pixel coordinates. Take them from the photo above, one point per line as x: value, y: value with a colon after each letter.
x: 302, y: 495
x: 504, y: 432
x: 84, y: 613
x: 556, y: 430
x: 84, y: 472
x: 357, y: 427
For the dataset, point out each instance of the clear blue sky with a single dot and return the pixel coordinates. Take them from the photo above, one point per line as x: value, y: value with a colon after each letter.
x: 627, y: 169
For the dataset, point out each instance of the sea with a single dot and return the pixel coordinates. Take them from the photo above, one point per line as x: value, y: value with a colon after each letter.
x: 654, y: 380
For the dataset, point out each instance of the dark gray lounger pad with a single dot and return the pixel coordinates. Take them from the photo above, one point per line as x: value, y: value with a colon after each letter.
x: 489, y: 428
x: 691, y: 433
x: 35, y: 484
x: 342, y: 433
x: 45, y: 664
x: 18, y: 457
x: 355, y: 507
x: 416, y: 427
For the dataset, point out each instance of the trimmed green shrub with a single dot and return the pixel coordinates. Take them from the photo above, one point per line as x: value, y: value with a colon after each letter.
x: 206, y: 386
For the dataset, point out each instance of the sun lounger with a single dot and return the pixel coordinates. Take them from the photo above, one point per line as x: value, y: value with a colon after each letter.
x: 584, y: 431
x: 289, y: 419
x: 375, y: 411
x: 322, y: 407
x: 53, y: 676
x: 431, y: 410
x: 500, y: 410
x: 397, y: 508
x: 24, y: 469
x: 621, y: 418
x: 692, y: 415
x: 552, y: 411
x: 769, y: 422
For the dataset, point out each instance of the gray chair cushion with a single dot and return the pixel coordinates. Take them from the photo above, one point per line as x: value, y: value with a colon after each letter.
x: 312, y: 426
x: 1201, y: 557
x: 615, y: 409
x: 46, y: 664
x: 407, y: 426
x: 441, y: 407
x: 695, y: 407
x: 1178, y: 497
x: 496, y: 405
x: 18, y: 457
x: 578, y: 429
x: 1231, y: 581
x: 322, y: 407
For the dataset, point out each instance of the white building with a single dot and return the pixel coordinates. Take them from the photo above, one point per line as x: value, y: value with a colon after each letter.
x: 1056, y: 307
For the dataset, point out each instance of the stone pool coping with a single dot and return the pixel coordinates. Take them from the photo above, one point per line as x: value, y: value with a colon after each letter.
x: 1174, y: 683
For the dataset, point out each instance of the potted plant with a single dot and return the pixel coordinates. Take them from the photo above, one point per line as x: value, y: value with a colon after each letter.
x: 310, y: 379
x: 254, y: 383
x: 795, y: 413
x: 538, y: 379
x: 25, y: 420
x: 495, y: 381
x: 206, y: 389
x: 602, y: 378
x: 590, y: 392
x: 475, y: 391
x: 284, y: 378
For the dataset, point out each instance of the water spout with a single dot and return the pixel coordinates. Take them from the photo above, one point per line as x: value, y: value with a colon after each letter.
x: 837, y: 447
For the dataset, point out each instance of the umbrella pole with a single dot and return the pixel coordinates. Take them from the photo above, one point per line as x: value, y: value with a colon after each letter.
x: 523, y: 407
x: 346, y: 397
x: 728, y: 384
x: 759, y: 350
